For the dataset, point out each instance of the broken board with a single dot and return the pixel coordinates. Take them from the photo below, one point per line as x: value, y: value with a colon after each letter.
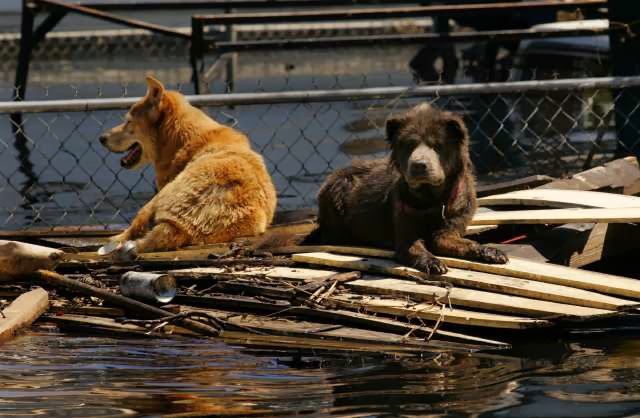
x: 21, y: 313
x: 555, y: 198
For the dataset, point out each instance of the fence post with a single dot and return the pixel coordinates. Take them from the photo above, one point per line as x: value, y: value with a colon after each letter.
x: 624, y: 20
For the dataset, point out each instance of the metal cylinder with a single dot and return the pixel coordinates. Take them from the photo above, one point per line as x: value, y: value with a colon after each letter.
x: 151, y: 286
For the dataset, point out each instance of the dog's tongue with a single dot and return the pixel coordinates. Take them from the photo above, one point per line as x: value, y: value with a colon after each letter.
x: 132, y: 157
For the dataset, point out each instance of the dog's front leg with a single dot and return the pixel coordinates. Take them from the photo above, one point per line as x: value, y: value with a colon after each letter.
x: 140, y: 224
x: 412, y: 251
x: 416, y: 255
x: 452, y: 244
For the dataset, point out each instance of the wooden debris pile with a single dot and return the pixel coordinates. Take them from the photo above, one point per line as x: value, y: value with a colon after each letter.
x: 346, y: 299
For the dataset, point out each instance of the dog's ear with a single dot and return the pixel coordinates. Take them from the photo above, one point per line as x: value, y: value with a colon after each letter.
x: 455, y: 127
x: 394, y: 124
x: 155, y: 89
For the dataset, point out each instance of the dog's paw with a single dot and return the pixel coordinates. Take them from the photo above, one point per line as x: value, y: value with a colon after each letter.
x: 493, y: 255
x: 119, y: 251
x: 431, y: 265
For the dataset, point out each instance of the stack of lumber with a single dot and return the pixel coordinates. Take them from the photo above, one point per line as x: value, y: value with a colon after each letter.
x: 350, y: 299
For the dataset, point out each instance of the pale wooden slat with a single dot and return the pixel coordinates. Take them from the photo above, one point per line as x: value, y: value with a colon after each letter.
x: 432, y: 312
x: 21, y: 313
x: 462, y: 297
x: 555, y: 198
x: 552, y: 273
x: 558, y: 216
x: 535, y: 289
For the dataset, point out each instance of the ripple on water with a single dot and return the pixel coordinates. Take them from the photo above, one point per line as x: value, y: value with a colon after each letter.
x: 62, y: 375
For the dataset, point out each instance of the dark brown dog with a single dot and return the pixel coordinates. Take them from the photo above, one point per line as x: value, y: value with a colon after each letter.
x: 419, y: 199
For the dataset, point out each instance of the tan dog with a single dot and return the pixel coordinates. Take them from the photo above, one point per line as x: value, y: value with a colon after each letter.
x: 212, y: 187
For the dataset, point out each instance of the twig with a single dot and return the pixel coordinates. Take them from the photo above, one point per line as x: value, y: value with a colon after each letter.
x: 436, y: 326
x: 327, y: 293
x: 316, y: 293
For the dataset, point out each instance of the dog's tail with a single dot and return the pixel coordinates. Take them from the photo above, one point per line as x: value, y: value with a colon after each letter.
x: 279, y: 239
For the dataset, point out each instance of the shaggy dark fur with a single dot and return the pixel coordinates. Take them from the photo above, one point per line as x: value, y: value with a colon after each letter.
x: 419, y: 199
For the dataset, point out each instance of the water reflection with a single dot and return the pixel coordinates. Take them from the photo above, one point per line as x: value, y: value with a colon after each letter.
x: 60, y: 375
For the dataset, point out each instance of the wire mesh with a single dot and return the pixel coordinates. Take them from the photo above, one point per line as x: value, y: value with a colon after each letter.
x: 56, y: 172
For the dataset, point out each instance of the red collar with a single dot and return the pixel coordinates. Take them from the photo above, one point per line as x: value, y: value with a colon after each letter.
x: 447, y: 208
x: 455, y: 194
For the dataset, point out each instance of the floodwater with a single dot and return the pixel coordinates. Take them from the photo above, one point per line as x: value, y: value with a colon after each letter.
x: 49, y: 374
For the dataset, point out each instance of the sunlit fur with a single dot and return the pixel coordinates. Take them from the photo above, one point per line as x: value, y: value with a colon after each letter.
x: 212, y: 187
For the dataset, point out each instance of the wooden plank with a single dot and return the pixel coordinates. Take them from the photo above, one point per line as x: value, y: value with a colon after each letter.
x: 62, y: 306
x: 108, y: 325
x: 618, y: 175
x: 427, y: 311
x: 463, y: 297
x: 557, y: 198
x: 551, y: 273
x: 558, y: 216
x: 447, y: 315
x: 22, y: 312
x: 202, y: 252
x: 477, y: 229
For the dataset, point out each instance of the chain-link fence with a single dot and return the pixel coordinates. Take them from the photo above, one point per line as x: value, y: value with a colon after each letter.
x: 55, y: 172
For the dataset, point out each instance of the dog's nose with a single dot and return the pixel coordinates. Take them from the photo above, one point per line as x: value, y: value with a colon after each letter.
x: 418, y: 168
x: 103, y: 139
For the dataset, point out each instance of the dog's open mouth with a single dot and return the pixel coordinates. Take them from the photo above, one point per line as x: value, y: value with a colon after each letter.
x: 133, y: 157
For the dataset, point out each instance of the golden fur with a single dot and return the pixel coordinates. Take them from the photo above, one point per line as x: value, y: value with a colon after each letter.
x: 212, y: 187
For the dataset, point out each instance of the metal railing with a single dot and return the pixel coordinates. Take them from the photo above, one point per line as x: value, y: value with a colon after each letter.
x: 56, y: 172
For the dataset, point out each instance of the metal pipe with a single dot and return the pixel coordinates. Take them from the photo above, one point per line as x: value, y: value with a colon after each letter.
x: 398, y: 12
x: 404, y: 39
x: 134, y: 23
x: 236, y: 4
x: 311, y: 96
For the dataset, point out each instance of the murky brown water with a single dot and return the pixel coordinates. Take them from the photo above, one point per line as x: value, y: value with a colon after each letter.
x: 51, y: 374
